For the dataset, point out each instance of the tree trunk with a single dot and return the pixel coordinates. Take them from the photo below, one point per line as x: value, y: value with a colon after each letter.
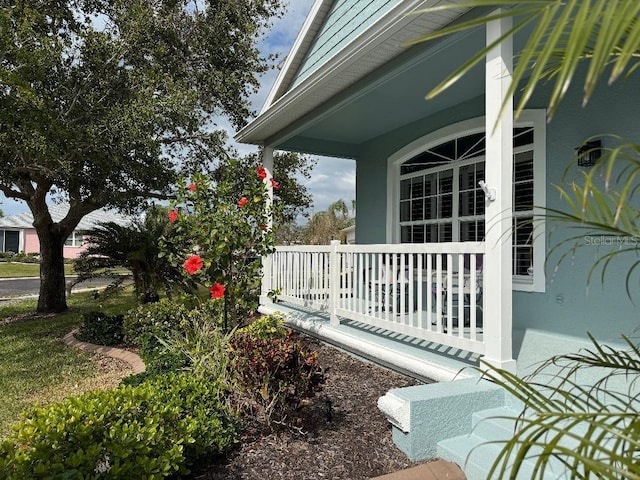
x: 52, y: 297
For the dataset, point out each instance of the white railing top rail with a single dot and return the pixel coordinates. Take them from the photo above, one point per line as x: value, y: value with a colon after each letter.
x: 304, y: 248
x: 445, y: 247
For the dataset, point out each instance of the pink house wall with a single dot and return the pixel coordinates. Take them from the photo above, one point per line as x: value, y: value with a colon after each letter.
x: 32, y: 244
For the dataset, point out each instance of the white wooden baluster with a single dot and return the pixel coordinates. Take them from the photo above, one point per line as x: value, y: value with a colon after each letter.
x: 461, y: 295
x: 473, y: 288
x: 439, y: 292
x: 449, y: 294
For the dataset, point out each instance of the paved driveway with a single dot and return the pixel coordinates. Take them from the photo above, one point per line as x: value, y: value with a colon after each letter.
x: 14, y: 287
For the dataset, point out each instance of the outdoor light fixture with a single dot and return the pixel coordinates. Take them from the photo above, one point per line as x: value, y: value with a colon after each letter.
x: 588, y: 153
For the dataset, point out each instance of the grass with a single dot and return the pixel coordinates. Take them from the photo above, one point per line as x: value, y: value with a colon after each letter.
x: 15, y: 270
x: 35, y: 366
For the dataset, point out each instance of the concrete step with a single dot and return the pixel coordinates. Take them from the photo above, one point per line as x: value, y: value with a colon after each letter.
x: 476, y: 457
x: 495, y: 423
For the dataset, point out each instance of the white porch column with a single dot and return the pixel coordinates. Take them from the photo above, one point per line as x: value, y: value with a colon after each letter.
x: 499, y: 173
x: 267, y: 163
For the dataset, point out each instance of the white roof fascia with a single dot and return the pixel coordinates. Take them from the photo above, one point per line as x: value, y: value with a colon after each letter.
x: 329, y: 74
x: 297, y: 53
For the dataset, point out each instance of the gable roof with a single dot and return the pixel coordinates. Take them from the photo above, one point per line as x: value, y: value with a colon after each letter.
x: 59, y: 211
x: 364, y: 50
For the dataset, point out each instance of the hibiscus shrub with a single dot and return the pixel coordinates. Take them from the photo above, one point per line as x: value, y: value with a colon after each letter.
x: 274, y: 372
x: 219, y: 236
x: 155, y: 430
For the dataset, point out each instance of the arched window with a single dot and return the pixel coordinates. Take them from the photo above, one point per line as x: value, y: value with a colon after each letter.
x: 438, y: 198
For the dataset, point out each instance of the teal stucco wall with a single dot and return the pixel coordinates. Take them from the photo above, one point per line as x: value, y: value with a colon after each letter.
x: 568, y: 306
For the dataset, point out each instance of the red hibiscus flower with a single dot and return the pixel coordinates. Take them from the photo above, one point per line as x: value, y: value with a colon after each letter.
x: 275, y: 185
x: 192, y: 187
x: 264, y: 226
x: 192, y: 264
x: 262, y: 173
x: 173, y: 215
x: 217, y: 291
x: 242, y: 202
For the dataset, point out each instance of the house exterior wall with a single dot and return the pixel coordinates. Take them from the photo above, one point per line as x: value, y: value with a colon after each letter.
x: 345, y: 21
x: 567, y: 306
x: 32, y: 245
x: 31, y: 242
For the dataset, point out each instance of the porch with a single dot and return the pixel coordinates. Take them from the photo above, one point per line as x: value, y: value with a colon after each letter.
x: 418, y: 308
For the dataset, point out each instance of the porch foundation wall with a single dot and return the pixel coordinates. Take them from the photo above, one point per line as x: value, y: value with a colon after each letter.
x: 427, y: 414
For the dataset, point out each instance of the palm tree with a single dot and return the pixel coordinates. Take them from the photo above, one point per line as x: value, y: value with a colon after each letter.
x: 594, y: 430
x: 326, y: 225
x: 135, y: 247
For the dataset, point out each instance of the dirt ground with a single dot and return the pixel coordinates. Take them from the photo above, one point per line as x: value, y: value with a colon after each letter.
x: 345, y: 437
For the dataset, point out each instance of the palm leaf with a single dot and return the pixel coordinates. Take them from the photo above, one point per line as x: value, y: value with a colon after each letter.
x: 604, y: 34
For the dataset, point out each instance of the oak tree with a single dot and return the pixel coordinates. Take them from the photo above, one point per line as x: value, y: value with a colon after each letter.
x: 103, y: 102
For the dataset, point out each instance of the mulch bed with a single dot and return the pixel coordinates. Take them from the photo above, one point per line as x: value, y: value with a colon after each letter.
x: 344, y: 437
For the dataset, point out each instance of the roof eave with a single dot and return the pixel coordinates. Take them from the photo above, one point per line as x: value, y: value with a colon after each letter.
x: 393, y: 28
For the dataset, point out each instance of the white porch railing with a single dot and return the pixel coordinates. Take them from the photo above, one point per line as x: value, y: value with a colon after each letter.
x: 432, y: 292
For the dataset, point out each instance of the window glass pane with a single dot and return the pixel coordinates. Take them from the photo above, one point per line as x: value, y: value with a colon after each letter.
x: 467, y: 177
x: 430, y: 184
x: 430, y: 208
x: 466, y: 204
x: 523, y: 196
x: 405, y: 234
x: 479, y: 198
x: 445, y: 182
x: 79, y: 239
x: 471, y: 146
x: 418, y: 234
x: 522, y: 245
x: 431, y: 233
x: 405, y: 209
x: 446, y: 206
x: 69, y: 241
x: 422, y: 161
x: 445, y: 150
x: 405, y: 189
x: 417, y: 210
x: 522, y: 136
x: 417, y: 187
x: 12, y: 241
x: 446, y: 232
x: 523, y: 167
x: 522, y: 260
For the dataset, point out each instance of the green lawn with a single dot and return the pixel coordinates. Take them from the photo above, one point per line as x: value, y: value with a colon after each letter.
x: 35, y: 366
x: 13, y: 270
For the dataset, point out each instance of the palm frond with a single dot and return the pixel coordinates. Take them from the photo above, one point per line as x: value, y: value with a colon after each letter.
x: 603, y: 34
x: 591, y: 429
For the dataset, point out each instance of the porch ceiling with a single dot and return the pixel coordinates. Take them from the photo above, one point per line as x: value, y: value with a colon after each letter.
x: 341, y: 112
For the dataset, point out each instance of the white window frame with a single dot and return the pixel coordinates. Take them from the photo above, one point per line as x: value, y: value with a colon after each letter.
x: 74, y: 240
x: 535, y: 118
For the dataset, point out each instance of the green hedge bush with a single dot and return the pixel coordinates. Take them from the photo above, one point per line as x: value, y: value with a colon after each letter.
x: 155, y: 430
x: 102, y: 329
x: 154, y: 320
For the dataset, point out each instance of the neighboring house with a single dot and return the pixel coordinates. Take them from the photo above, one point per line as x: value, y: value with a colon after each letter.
x: 349, y: 234
x: 17, y: 233
x: 443, y: 274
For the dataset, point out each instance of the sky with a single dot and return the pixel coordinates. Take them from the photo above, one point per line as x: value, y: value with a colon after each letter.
x: 332, y: 179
